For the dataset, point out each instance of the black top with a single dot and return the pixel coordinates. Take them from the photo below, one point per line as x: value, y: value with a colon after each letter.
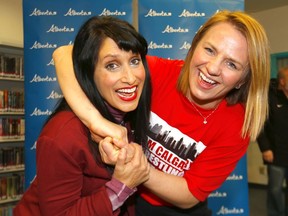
x: 275, y: 134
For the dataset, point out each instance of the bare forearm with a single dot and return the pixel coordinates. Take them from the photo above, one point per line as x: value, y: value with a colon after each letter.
x: 72, y: 91
x: 172, y: 189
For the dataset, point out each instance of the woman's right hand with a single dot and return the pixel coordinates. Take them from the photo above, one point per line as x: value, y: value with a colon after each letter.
x: 109, y: 149
x: 268, y: 156
x: 134, y: 172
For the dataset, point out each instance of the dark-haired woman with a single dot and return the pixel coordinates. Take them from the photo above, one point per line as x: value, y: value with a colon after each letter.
x: 110, y: 66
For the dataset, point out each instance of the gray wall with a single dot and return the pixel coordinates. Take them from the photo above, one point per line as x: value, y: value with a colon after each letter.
x: 275, y: 21
x: 11, y: 22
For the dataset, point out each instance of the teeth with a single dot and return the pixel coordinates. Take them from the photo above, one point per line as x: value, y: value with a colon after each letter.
x: 128, y: 91
x: 206, y: 79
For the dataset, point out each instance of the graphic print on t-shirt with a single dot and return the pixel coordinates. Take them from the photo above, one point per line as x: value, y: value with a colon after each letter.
x: 169, y: 150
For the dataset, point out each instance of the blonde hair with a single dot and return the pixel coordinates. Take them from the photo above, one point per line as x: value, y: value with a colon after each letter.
x: 253, y: 94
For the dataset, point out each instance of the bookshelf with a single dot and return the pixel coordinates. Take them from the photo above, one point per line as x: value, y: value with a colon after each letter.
x: 12, y: 127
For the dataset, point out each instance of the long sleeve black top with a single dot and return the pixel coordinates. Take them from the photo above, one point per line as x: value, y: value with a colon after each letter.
x: 275, y: 134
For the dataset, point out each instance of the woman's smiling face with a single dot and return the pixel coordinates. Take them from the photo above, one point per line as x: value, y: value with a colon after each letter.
x: 219, y: 64
x: 119, y: 76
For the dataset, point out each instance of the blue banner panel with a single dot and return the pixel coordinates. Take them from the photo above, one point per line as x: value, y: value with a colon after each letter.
x: 169, y: 27
x: 232, y: 198
x: 48, y: 25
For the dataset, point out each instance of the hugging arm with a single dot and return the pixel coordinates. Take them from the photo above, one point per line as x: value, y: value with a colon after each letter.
x: 158, y: 182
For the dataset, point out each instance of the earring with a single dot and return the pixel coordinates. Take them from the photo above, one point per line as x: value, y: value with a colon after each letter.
x: 238, y: 87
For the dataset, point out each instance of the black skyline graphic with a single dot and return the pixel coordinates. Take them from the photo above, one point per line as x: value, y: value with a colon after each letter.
x: 181, y: 149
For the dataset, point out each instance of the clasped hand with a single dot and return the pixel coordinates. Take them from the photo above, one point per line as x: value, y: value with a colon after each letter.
x: 131, y: 165
x: 110, y: 148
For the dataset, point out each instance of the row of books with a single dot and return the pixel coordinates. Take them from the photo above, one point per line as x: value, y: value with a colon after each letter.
x: 7, y: 210
x: 11, y: 101
x: 12, y: 128
x: 11, y: 157
x: 11, y: 66
x: 12, y: 186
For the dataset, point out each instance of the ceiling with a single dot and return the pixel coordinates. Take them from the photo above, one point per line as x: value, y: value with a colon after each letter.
x: 252, y: 6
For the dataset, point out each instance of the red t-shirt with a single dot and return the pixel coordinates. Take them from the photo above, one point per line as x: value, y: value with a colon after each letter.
x: 181, y: 144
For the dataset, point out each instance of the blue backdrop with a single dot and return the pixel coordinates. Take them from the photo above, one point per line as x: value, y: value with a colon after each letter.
x: 48, y: 25
x: 168, y: 26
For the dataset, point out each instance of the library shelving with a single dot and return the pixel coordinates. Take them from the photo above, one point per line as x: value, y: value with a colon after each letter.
x: 12, y: 127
